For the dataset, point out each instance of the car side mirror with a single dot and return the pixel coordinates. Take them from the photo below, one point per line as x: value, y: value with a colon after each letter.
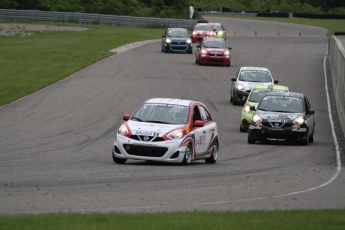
x: 126, y: 117
x: 190, y: 36
x: 276, y: 81
x: 311, y: 111
x: 252, y: 108
x: 229, y: 48
x: 233, y: 79
x: 199, y: 123
x: 163, y: 36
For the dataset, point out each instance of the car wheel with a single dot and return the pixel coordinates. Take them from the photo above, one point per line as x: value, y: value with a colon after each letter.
x: 234, y: 102
x: 251, y: 140
x: 306, y: 140
x: 214, y: 156
x: 196, y: 61
x: 187, y: 155
x: 118, y: 160
x: 199, y: 62
x: 190, y: 51
x: 165, y: 49
x: 311, y: 138
x: 242, y: 129
x: 162, y: 49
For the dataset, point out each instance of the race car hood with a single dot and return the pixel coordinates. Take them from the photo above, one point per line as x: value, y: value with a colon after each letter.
x: 150, y: 129
x: 249, y: 85
x: 278, y: 115
x: 214, y: 50
x: 203, y: 31
x: 178, y: 39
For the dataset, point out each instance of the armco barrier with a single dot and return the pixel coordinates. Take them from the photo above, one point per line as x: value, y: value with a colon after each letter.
x: 34, y: 15
x: 336, y: 55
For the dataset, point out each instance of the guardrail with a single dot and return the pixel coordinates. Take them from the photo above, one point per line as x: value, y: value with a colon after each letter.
x: 336, y: 54
x: 33, y: 15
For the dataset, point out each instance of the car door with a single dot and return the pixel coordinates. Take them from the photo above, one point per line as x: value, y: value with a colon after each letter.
x: 309, y: 117
x: 208, y: 132
x: 163, y: 39
x: 199, y: 133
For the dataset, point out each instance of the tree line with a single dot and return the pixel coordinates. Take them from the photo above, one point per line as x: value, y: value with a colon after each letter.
x: 174, y: 8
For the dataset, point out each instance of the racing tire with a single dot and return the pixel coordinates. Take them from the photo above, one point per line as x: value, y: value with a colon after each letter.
x: 190, y: 51
x: 118, y: 160
x: 251, y: 140
x: 187, y: 158
x: 234, y: 102
x: 214, y: 156
x: 165, y: 50
x: 228, y: 65
x: 199, y: 62
x: 311, y: 138
x: 196, y: 61
x: 306, y: 140
x: 243, y: 130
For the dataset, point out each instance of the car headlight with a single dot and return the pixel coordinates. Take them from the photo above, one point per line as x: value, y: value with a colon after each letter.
x: 256, y: 118
x: 247, y: 109
x: 298, y: 121
x: 203, y: 51
x: 123, y: 130
x: 220, y: 33
x: 176, y: 134
x: 227, y: 53
x: 189, y: 41
x: 239, y: 86
x: 167, y: 40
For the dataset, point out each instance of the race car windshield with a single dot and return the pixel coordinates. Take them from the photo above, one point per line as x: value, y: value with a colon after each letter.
x: 214, y: 44
x: 203, y: 27
x: 178, y: 34
x: 255, y: 76
x: 162, y: 113
x: 281, y: 104
x: 257, y: 95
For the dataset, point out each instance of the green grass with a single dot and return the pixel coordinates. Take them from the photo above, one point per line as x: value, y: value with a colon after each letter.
x: 194, y: 220
x: 32, y: 63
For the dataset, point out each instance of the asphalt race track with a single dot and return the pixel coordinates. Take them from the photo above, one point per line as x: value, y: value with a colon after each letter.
x: 55, y: 145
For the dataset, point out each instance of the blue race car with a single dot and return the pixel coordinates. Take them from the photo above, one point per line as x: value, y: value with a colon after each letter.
x: 176, y: 40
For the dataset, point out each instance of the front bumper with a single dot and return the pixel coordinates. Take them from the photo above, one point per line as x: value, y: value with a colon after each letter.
x: 179, y: 48
x: 171, y: 151
x: 288, y: 134
x: 214, y: 60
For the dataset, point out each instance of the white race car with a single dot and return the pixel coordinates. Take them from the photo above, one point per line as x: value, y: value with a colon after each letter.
x: 167, y: 130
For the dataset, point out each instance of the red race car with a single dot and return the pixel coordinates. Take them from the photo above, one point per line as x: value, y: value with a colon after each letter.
x: 201, y: 31
x: 213, y: 51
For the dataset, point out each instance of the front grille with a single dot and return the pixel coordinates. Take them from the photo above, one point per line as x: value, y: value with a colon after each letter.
x: 277, y: 124
x: 215, y: 59
x: 216, y: 55
x: 179, y: 47
x: 178, y: 42
x: 145, y: 151
x: 149, y: 138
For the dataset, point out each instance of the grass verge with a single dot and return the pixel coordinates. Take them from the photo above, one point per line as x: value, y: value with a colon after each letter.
x: 30, y: 63
x: 195, y: 220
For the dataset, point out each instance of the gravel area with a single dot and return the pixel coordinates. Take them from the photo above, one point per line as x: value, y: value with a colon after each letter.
x: 10, y: 29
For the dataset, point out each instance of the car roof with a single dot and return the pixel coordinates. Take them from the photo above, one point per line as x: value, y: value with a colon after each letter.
x: 254, y: 68
x: 173, y: 101
x: 273, y: 87
x: 214, y: 39
x: 177, y: 29
x: 284, y: 94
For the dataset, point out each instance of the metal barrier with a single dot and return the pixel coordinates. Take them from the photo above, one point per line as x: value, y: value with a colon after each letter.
x: 102, y: 19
